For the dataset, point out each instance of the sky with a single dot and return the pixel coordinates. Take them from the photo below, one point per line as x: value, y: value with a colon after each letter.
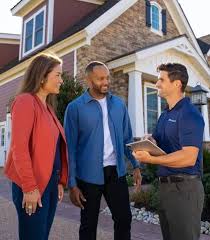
x: 197, y: 12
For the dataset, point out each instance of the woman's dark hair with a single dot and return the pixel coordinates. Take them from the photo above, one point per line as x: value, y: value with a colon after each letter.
x: 36, y: 75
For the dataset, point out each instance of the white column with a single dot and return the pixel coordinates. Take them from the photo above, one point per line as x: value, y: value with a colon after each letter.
x: 50, y: 21
x: 135, y: 103
x: 206, y: 120
x: 75, y: 63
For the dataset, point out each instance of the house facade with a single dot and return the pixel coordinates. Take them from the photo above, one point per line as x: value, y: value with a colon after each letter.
x: 131, y: 36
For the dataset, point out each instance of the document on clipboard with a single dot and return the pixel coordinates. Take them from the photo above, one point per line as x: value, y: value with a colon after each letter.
x: 146, y: 145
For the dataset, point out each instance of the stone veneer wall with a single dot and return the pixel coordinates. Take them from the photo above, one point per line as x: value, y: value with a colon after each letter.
x: 126, y: 34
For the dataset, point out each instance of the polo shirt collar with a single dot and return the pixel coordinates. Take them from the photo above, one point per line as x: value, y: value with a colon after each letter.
x: 179, y: 103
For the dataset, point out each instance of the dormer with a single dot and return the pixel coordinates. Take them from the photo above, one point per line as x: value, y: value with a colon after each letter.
x: 45, y: 20
x: 9, y: 48
x: 36, y: 32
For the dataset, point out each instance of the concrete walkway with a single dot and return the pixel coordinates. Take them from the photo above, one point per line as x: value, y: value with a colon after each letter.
x: 66, y: 223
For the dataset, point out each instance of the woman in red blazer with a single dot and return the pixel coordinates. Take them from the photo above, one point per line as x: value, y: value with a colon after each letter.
x: 37, y: 160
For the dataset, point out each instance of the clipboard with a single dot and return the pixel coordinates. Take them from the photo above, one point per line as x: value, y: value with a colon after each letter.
x: 146, y: 145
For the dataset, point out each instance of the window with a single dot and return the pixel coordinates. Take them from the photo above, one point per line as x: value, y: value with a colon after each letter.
x: 34, y: 31
x: 39, y: 27
x: 155, y: 17
x: 152, y: 109
x: 29, y: 36
x: 2, y: 137
x: 154, y: 106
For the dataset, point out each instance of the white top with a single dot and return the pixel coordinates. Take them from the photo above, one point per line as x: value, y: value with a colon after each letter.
x: 109, y: 154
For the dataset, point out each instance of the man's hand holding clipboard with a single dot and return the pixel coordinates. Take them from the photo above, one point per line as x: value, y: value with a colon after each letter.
x: 144, y: 149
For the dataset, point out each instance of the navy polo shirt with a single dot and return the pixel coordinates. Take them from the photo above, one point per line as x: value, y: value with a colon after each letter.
x: 179, y: 127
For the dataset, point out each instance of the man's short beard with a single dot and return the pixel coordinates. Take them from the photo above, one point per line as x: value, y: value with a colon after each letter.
x: 99, y: 91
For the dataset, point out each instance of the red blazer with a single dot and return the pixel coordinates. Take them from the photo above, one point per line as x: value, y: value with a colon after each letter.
x: 32, y: 151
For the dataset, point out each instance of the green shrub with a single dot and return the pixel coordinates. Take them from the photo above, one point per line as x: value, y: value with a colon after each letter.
x: 70, y: 89
x: 206, y: 209
x: 154, y: 196
x: 149, y: 173
x: 129, y: 179
x: 206, y: 161
x: 148, y: 199
x: 141, y: 199
x: 206, y: 184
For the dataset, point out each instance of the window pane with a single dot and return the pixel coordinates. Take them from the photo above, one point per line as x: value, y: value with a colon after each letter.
x: 152, y: 121
x: 29, y: 35
x: 28, y: 44
x: 152, y: 109
x: 29, y: 28
x: 163, y: 104
x: 39, y: 21
x: 38, y: 37
x: 155, y: 17
x: 152, y: 102
x: 2, y: 137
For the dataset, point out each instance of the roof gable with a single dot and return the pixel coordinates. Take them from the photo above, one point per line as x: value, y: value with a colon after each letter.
x: 179, y: 44
x: 182, y: 23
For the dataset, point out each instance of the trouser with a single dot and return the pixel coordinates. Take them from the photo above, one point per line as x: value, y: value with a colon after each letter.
x: 181, y: 205
x: 37, y: 226
x: 115, y: 191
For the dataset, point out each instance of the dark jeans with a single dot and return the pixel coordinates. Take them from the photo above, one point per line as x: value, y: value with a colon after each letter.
x: 37, y: 226
x: 115, y: 191
x: 181, y: 205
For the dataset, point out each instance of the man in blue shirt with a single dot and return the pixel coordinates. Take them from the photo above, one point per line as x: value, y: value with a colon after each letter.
x: 179, y: 132
x: 97, y: 127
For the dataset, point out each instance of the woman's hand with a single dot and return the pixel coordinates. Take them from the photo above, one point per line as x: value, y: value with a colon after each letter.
x: 30, y: 201
x: 60, y: 192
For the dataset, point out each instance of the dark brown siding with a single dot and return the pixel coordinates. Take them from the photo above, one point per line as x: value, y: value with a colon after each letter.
x: 69, y: 12
x: 8, y: 52
x: 68, y: 63
x: 7, y: 91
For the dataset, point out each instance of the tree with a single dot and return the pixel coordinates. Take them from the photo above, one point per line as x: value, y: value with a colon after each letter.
x: 70, y: 89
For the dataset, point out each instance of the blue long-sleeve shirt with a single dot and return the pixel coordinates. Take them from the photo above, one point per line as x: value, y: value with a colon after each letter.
x: 83, y: 125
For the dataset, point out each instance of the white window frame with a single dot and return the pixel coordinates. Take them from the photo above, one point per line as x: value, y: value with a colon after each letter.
x: 3, y: 148
x: 43, y: 9
x: 149, y: 85
x: 159, y: 32
x: 8, y: 131
x: 3, y: 125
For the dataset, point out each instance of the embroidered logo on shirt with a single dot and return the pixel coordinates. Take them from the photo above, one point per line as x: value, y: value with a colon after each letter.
x: 171, y: 120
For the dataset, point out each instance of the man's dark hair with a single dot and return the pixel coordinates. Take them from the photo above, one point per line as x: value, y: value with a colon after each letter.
x: 176, y: 71
x: 91, y: 65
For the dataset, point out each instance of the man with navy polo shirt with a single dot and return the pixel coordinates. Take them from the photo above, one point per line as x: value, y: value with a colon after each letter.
x: 179, y: 132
